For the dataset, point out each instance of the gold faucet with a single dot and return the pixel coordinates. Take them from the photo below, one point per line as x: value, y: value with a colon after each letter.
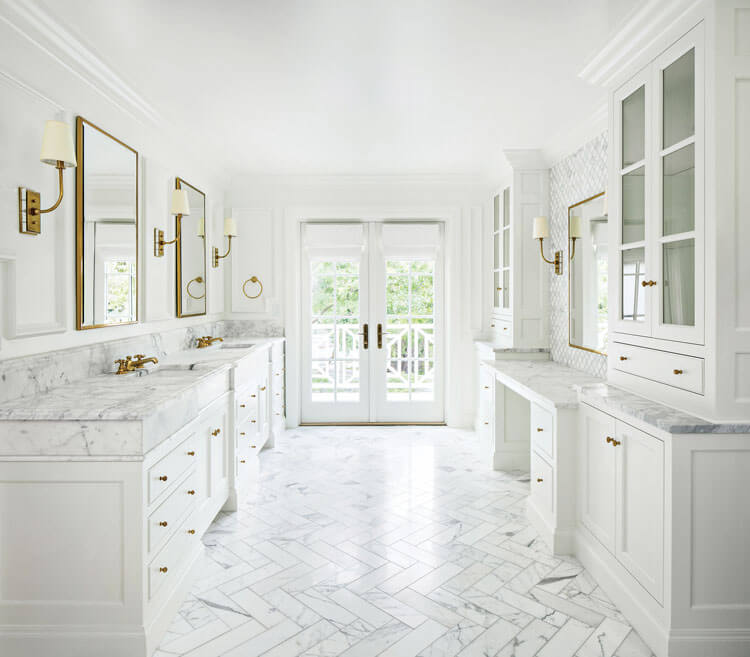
x: 127, y: 364
x: 207, y: 341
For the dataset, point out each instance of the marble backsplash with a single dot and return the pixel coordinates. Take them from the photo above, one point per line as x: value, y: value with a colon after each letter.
x: 36, y: 374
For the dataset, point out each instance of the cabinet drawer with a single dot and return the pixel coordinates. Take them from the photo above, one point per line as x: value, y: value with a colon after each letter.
x: 503, y: 329
x: 684, y: 372
x: 277, y: 356
x: 168, y: 564
x: 246, y: 404
x: 542, y: 427
x: 164, y: 520
x: 542, y: 484
x: 169, y: 468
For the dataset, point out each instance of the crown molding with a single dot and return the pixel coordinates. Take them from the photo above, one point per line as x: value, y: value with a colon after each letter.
x: 640, y: 32
x: 526, y: 158
x: 47, y: 33
x: 361, y: 179
x: 574, y: 136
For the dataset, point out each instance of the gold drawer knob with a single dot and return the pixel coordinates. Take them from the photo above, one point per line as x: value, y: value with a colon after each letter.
x: 163, y: 478
x: 648, y: 283
x: 539, y: 480
x: 492, y: 326
x: 263, y: 388
x: 486, y: 422
x: 191, y: 453
x: 191, y: 531
x: 242, y: 460
x: 678, y: 371
x: 163, y: 569
x: 539, y: 429
x: 242, y: 405
x: 253, y: 396
x: 623, y: 357
x: 216, y: 432
x: 486, y: 387
x: 614, y: 442
x: 191, y: 492
x: 505, y: 328
x: 242, y: 433
x: 253, y: 446
x: 253, y: 421
x: 163, y: 523
x: 498, y: 289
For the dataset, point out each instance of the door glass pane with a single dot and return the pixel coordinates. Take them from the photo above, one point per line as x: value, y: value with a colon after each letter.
x: 506, y: 206
x: 679, y: 282
x: 409, y: 338
x: 506, y: 288
x: 679, y: 191
x: 634, y: 206
x: 496, y: 251
x: 634, y: 127
x: 679, y: 99
x: 335, y: 330
x: 633, y: 273
x: 506, y: 248
x: 497, y: 289
x: 496, y: 212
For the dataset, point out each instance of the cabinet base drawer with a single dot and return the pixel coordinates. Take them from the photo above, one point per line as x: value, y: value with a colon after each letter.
x: 542, y: 425
x: 542, y: 484
x: 677, y: 370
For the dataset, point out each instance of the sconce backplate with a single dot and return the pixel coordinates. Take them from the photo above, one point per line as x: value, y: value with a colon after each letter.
x: 158, y: 243
x: 29, y: 224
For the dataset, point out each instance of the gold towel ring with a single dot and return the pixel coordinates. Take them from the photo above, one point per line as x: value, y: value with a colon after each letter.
x: 197, y: 279
x: 252, y: 279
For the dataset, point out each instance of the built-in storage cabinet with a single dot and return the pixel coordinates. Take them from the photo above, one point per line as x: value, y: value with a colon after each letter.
x: 659, y: 163
x: 621, y: 495
x: 520, y: 290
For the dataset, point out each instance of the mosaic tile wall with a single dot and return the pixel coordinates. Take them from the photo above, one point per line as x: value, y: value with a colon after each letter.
x: 576, y: 177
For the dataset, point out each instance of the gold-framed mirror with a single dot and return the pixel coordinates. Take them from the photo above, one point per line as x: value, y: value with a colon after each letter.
x: 107, y: 266
x: 191, y: 253
x: 588, y: 279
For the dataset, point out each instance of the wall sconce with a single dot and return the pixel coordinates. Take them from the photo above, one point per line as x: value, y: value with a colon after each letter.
x: 541, y: 230
x: 574, y: 233
x: 180, y: 208
x: 59, y: 151
x: 230, y: 230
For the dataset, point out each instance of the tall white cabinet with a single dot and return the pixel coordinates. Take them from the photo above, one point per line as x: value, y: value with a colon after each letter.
x: 520, y: 294
x: 679, y: 209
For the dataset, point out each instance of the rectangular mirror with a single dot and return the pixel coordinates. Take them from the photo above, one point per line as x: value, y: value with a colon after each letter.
x: 106, y: 229
x: 190, y: 230
x: 588, y: 275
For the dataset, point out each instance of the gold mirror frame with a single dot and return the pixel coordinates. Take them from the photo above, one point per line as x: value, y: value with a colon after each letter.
x: 567, y: 234
x: 80, y: 326
x: 179, y: 182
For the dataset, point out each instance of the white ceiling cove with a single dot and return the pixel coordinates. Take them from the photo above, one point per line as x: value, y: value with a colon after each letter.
x: 353, y: 87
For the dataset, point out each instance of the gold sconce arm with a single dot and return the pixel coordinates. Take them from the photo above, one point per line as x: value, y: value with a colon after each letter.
x: 36, y: 211
x: 160, y: 242
x: 557, y: 262
x: 29, y: 202
x: 218, y: 257
x: 573, y: 248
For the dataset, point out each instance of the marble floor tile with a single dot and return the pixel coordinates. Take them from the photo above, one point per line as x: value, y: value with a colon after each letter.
x: 389, y: 542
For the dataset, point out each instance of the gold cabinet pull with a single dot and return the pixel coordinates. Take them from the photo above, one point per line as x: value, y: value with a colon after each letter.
x: 253, y: 421
x: 486, y: 387
x: 216, y: 432
x: 242, y: 460
x: 539, y: 480
x: 498, y: 289
x: 191, y: 492
x: 163, y: 523
x: 253, y: 396
x: 614, y: 442
x: 623, y: 357
x: 539, y: 429
x: 263, y: 388
x: 163, y: 478
x: 648, y: 283
x: 253, y: 446
x: 191, y: 453
x: 678, y: 371
x: 243, y: 405
x: 486, y: 422
x: 191, y: 531
x: 163, y: 569
x: 242, y: 433
x: 492, y: 326
x: 505, y: 328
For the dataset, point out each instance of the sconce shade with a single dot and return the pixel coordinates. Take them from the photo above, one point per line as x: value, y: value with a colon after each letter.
x: 57, y: 145
x: 201, y: 227
x: 575, y: 227
x: 541, y: 228
x: 180, y: 204
x: 230, y: 227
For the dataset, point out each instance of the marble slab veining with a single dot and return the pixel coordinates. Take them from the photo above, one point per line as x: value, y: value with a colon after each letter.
x: 501, y: 348
x: 666, y: 418
x: 543, y: 378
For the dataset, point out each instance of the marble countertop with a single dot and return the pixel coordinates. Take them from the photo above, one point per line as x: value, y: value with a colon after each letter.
x: 542, y: 379
x: 121, y: 415
x: 653, y: 413
x: 501, y: 348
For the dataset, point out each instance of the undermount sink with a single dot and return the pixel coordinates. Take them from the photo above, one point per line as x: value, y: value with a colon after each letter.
x: 237, y: 345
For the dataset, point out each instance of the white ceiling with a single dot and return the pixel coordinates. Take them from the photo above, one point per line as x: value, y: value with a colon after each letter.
x: 353, y: 86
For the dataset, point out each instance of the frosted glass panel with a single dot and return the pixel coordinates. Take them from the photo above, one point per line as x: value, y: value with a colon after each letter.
x: 506, y: 248
x: 496, y: 250
x: 506, y: 206
x: 497, y: 289
x: 634, y: 127
x: 496, y: 211
x: 506, y: 289
x: 679, y: 99
x: 679, y: 191
x: 634, y: 206
x: 633, y: 273
x: 679, y: 283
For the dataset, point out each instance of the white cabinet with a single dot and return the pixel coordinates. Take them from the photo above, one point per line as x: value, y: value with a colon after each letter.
x: 520, y: 290
x: 621, y: 493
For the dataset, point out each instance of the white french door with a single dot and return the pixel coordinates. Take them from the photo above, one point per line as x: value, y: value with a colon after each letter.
x: 372, y: 316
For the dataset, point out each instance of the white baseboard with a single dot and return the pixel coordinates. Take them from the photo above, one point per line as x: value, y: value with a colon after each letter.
x: 72, y: 641
x: 561, y: 541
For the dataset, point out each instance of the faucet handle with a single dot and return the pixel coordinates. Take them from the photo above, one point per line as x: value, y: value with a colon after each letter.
x: 139, y: 356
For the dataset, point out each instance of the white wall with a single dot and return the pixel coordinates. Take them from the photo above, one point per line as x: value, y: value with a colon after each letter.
x: 284, y: 200
x: 44, y: 76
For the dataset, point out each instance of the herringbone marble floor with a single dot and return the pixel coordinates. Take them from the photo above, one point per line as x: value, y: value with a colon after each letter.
x: 389, y: 542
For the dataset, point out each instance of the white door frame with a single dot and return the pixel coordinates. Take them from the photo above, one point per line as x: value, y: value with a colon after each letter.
x: 454, y: 298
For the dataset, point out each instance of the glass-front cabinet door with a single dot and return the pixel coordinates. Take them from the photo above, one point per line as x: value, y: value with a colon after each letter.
x: 501, y: 251
x: 678, y: 239
x: 658, y: 155
x: 631, y: 157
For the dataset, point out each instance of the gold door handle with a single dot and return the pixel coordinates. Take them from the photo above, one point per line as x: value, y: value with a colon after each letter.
x: 163, y: 478
x: 191, y: 453
x: 365, y: 333
x: 678, y: 371
x: 163, y: 523
x: 163, y: 569
x: 539, y: 480
x: 648, y: 283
